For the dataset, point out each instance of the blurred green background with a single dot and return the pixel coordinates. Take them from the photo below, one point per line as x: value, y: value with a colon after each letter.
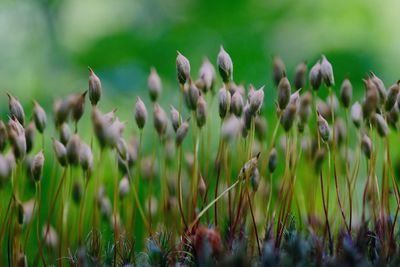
x: 46, y: 45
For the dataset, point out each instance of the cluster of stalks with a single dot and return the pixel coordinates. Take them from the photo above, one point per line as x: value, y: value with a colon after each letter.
x: 318, y: 189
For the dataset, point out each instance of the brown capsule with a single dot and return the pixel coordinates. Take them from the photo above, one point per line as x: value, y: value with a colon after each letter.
x: 323, y: 128
x: 65, y: 133
x: 30, y: 136
x: 300, y: 76
x: 247, y: 118
x: 392, y: 117
x: 255, y: 179
x: 324, y: 109
x: 346, y: 93
x: 124, y: 187
x: 201, y: 112
x: 175, y: 118
x: 237, y: 104
x: 182, y: 68
x: 305, y: 107
x: 284, y: 92
x: 73, y: 149
x: 315, y: 76
x: 207, y: 75
x: 340, y: 131
x: 272, y: 160
x: 224, y: 102
x: 3, y: 136
x: 278, y: 69
x: 160, y: 120
x: 231, y: 128
x: 372, y: 98
x: 380, y: 124
x: 20, y: 213
x: 61, y: 152
x: 327, y: 72
x: 140, y: 113
x: 94, y: 88
x: 366, y: 146
x: 202, y: 187
x: 260, y: 127
x: 61, y: 109
x: 356, y: 114
x: 16, y: 109
x: 288, y: 116
x: 85, y: 157
x: 77, y: 105
x: 37, y: 166
x: 225, y: 65
x: 5, y: 168
x: 181, y: 133
x: 380, y: 86
x: 122, y: 148
x: 192, y: 95
x: 392, y: 96
x: 154, y: 84
x: 39, y: 117
x: 16, y: 135
x: 256, y: 100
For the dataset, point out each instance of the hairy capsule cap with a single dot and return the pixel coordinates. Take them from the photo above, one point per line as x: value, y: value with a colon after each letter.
x: 327, y: 72
x: 323, y: 128
x: 85, y: 157
x: 181, y: 133
x: 225, y: 65
x: 124, y: 187
x: 182, y: 68
x: 94, y: 88
x: 16, y: 109
x: 288, y: 117
x: 356, y: 114
x: 278, y: 69
x: 284, y: 92
x: 315, y: 76
x: 65, y: 133
x: 73, y: 149
x: 5, y: 170
x: 346, y: 93
x: 300, y: 76
x: 30, y: 136
x: 37, y: 166
x: 381, y: 125
x: 61, y: 152
x: 224, y: 102
x: 366, y: 145
x: 237, y: 104
x: 154, y: 84
x: 380, y: 86
x: 256, y: 100
x: 272, y: 160
x: 201, y: 112
x: 175, y: 118
x: 140, y: 113
x: 39, y: 117
x: 77, y: 105
x: 392, y: 95
x: 207, y: 75
x: 3, y: 136
x: 160, y: 120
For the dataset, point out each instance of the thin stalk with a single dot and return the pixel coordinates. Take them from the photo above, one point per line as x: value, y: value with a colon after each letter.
x: 39, y: 193
x: 180, y: 186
